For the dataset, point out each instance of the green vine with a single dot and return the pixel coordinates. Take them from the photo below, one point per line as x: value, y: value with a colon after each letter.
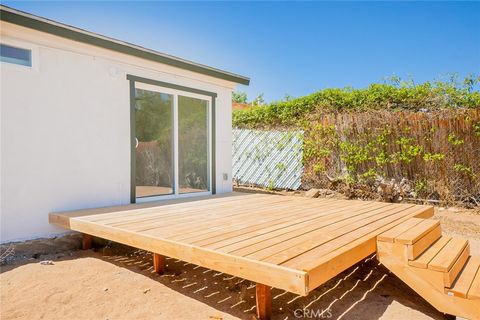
x: 452, y: 138
x: 466, y: 170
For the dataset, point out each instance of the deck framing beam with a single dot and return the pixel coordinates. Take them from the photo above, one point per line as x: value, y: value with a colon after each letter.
x: 288, y: 279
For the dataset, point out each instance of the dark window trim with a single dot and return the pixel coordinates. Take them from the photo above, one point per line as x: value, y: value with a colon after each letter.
x: 171, y: 85
x: 132, y: 79
x: 65, y: 31
x: 133, y: 158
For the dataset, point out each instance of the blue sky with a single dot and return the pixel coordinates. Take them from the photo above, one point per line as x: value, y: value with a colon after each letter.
x: 293, y: 48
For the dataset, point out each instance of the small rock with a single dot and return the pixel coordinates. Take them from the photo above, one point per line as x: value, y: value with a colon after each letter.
x: 46, y: 262
x: 146, y: 290
x: 105, y: 289
x: 312, y: 193
x: 325, y: 192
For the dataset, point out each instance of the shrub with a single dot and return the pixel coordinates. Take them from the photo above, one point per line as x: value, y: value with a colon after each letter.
x: 392, y: 95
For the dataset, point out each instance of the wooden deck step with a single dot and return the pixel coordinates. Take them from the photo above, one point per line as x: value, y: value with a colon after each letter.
x: 417, y: 248
x: 466, y: 278
x: 448, y: 255
x: 424, y: 259
x: 450, y: 276
x: 390, y: 235
x: 416, y: 234
x: 418, y: 231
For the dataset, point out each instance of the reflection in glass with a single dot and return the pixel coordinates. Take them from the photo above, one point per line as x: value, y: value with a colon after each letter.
x: 15, y: 55
x: 154, y: 152
x: 192, y: 145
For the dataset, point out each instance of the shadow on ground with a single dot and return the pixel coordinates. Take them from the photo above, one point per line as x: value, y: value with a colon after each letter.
x: 364, y: 291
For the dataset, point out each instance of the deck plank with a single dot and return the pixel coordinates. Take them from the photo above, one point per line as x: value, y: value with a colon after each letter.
x: 257, y: 216
x: 136, y: 214
x: 230, y: 244
x: 215, y: 210
x: 252, y: 214
x: 146, y: 217
x: 61, y: 218
x: 136, y: 210
x: 278, y: 241
x: 292, y: 215
x: 297, y: 246
x: 241, y: 227
x: 209, y: 218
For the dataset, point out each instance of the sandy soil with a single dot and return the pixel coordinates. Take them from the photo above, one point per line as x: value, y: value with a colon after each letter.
x: 464, y: 223
x: 120, y: 284
x: 117, y: 282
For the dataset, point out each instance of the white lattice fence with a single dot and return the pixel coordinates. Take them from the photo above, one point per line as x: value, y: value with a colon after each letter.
x: 271, y: 159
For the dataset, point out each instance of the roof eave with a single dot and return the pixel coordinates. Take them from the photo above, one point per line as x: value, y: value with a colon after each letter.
x: 41, y: 24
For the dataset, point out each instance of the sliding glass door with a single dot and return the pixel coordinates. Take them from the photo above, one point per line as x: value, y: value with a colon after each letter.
x: 172, y: 152
x: 192, y: 145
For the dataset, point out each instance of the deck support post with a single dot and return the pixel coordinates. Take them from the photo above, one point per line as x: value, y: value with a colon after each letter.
x: 86, y: 241
x: 158, y: 263
x: 264, y: 301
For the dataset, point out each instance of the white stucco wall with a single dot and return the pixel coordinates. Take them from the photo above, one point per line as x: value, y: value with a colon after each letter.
x: 65, y: 129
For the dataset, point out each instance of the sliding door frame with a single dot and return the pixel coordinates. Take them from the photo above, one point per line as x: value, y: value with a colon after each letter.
x: 211, y: 134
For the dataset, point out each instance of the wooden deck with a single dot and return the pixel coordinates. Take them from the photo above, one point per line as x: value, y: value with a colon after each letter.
x: 292, y: 243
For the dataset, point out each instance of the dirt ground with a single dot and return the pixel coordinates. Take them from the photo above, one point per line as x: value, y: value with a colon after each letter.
x: 117, y: 282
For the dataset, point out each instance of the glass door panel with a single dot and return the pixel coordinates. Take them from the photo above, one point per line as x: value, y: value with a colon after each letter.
x: 154, y: 148
x: 193, y: 169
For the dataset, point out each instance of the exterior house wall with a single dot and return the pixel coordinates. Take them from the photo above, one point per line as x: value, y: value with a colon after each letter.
x: 65, y: 128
